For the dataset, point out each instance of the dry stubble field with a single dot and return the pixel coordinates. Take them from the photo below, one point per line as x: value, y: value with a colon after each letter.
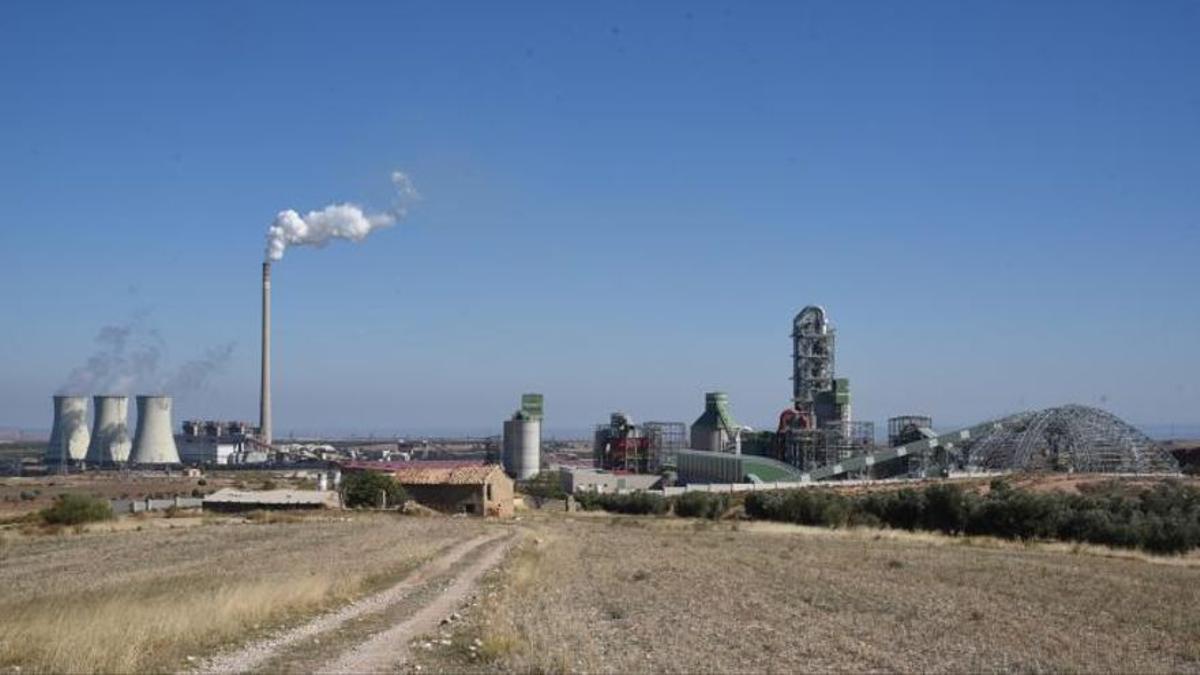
x: 635, y: 594
x: 120, y: 599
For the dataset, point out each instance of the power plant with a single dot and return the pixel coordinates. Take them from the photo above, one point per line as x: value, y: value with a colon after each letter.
x: 69, y: 436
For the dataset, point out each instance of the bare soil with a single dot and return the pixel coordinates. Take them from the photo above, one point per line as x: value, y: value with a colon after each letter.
x: 635, y: 594
x: 24, y: 495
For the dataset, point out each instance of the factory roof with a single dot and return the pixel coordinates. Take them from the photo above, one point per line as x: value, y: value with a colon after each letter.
x: 461, y: 474
x: 405, y: 464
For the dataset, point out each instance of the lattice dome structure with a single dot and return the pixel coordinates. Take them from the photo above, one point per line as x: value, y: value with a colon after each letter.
x: 1069, y: 438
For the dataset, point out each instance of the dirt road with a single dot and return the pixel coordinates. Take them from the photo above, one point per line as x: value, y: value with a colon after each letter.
x: 373, y: 634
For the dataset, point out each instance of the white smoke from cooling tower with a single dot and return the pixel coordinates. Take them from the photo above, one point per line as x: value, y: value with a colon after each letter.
x: 337, y: 221
x: 154, y: 441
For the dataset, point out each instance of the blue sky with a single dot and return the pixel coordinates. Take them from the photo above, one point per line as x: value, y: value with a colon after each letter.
x: 623, y: 204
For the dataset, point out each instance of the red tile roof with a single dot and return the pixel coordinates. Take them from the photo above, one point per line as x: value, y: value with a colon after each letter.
x: 415, y: 474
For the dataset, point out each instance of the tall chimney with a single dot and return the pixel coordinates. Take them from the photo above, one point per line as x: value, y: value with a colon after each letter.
x: 264, y: 401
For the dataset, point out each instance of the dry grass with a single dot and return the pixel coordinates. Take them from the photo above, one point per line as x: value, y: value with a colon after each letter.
x: 124, y: 601
x: 664, y: 595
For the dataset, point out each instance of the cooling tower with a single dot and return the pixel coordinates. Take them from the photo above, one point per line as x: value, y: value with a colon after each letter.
x: 69, y: 437
x: 153, y: 443
x: 110, y: 430
x: 522, y: 451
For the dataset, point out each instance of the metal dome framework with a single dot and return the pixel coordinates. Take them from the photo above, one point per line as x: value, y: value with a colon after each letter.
x: 1069, y: 438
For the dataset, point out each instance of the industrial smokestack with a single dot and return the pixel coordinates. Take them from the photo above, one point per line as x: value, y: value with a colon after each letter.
x: 110, y: 430
x: 153, y: 442
x: 69, y: 436
x: 264, y: 401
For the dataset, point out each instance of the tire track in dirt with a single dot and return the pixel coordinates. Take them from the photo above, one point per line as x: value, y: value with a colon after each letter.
x: 256, y: 654
x: 387, y: 650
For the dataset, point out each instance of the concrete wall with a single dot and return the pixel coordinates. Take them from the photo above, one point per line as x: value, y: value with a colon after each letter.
x: 592, y: 480
x: 141, y: 505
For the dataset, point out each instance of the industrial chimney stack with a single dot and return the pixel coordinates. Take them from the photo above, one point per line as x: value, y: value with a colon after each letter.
x: 264, y: 402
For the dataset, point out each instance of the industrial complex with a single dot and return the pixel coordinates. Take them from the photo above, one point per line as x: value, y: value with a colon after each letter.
x: 817, y: 438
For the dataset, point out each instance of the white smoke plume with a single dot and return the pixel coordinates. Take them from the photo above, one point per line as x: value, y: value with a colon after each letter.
x: 127, y: 360
x: 336, y: 221
x: 194, y: 375
x: 126, y: 355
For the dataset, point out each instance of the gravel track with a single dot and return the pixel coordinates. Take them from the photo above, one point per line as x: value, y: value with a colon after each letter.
x: 388, y: 650
x: 257, y: 653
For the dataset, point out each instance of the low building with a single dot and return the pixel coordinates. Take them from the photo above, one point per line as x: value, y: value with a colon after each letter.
x: 580, y: 479
x: 481, y: 490
x: 230, y: 500
x: 211, y: 442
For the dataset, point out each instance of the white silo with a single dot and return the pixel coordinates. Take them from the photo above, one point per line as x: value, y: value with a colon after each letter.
x: 154, y: 442
x: 522, y: 451
x: 521, y: 445
x: 69, y: 436
x: 110, y: 430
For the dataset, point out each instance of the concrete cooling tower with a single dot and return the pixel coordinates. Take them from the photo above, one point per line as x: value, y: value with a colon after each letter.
x: 153, y: 442
x: 69, y: 436
x: 110, y: 431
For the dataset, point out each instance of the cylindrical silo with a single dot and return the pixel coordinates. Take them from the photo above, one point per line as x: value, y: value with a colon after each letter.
x: 69, y: 436
x: 154, y: 442
x: 110, y: 430
x: 522, y: 450
x: 715, y: 430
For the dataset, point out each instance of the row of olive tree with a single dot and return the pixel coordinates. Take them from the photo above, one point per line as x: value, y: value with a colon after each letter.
x: 1161, y: 519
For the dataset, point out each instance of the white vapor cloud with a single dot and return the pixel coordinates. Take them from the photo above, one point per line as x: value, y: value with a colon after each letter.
x: 337, y: 221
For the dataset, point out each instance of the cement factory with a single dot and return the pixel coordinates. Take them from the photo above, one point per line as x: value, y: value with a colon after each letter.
x: 818, y: 439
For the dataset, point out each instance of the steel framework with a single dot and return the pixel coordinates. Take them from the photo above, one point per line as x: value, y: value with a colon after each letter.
x: 1068, y: 438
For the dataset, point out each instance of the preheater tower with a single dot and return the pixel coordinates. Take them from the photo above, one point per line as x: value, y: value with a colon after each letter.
x: 264, y: 401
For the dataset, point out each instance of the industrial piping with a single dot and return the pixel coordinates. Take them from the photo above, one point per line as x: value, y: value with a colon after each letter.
x: 264, y: 401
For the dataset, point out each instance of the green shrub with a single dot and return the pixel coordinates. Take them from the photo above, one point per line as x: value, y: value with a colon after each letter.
x: 635, y: 503
x: 368, y: 488
x: 70, y: 509
x: 546, y: 485
x: 805, y: 507
x: 701, y: 505
x: 1162, y: 519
